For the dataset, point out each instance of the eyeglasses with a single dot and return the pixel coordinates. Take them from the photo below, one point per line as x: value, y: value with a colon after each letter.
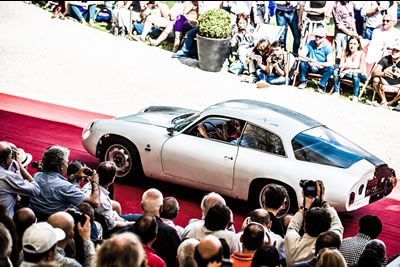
x: 387, y: 20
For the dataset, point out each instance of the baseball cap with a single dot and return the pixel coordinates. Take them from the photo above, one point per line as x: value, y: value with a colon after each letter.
x: 40, y: 237
x: 396, y: 46
x: 320, y: 32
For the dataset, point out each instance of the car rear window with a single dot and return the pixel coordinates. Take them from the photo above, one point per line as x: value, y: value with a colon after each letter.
x: 323, y: 146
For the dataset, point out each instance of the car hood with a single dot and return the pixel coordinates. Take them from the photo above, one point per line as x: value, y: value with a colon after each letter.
x: 163, y: 116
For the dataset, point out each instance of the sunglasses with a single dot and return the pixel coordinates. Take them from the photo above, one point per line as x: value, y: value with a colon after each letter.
x: 319, y: 37
x: 387, y: 20
x: 395, y: 50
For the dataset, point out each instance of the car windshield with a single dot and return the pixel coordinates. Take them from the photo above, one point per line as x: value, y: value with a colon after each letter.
x: 322, y: 145
x: 182, y: 124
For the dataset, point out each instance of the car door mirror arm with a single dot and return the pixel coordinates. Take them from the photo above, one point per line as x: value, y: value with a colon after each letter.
x: 170, y: 131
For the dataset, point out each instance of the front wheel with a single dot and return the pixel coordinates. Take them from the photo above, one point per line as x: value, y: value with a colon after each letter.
x: 125, y: 156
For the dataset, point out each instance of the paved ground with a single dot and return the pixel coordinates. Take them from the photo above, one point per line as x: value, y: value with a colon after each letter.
x: 66, y: 63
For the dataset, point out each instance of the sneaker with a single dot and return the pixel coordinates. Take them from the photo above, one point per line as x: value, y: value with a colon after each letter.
x: 262, y: 84
x: 179, y: 54
x: 320, y: 90
x: 336, y: 94
x: 355, y: 99
x: 302, y: 85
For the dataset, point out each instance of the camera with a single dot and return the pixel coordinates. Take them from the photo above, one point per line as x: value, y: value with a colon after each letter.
x: 309, y: 188
x: 274, y: 59
x: 77, y: 215
x: 14, y: 154
x: 88, y: 172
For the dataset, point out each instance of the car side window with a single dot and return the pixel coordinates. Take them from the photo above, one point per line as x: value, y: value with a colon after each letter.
x: 208, y: 128
x: 261, y: 139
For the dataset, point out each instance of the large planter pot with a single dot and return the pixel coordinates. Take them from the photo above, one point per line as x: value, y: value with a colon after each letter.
x: 212, y: 52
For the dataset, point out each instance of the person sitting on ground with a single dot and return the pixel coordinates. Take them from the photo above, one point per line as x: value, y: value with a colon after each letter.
x: 81, y: 10
x: 5, y: 246
x: 39, y: 243
x: 215, y: 223
x: 208, y: 251
x: 252, y: 239
x: 186, y: 253
x: 51, y: 179
x: 106, y: 172
x: 266, y: 255
x: 146, y: 228
x: 330, y: 257
x: 155, y: 14
x: 327, y: 239
x: 123, y: 14
x: 189, y: 47
x: 352, y: 66
x: 11, y: 183
x: 257, y: 59
x: 23, y: 218
x: 370, y: 227
x: 387, y: 76
x: 242, y: 41
x: 316, y: 220
x: 65, y: 222
x: 170, y: 212
x: 316, y: 57
x: 274, y: 202
x: 121, y: 250
x: 168, y: 240
x: 274, y: 72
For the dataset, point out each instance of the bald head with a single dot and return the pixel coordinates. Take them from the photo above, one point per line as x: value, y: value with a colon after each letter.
x: 210, y: 200
x: 260, y: 216
x: 23, y: 218
x: 209, y: 249
x: 64, y: 221
x: 152, y: 200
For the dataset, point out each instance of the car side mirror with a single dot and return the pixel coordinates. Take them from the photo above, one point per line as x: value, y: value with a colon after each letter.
x: 170, y: 130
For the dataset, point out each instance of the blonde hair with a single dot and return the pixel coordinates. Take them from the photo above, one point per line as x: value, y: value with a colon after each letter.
x: 330, y: 257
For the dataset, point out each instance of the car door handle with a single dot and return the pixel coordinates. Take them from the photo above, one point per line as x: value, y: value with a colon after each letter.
x: 226, y: 157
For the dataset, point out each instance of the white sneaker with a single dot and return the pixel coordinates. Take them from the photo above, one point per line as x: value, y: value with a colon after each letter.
x: 302, y: 85
x: 355, y: 99
x: 262, y: 84
x: 335, y: 94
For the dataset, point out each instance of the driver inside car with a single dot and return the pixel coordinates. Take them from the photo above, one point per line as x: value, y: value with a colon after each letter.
x: 223, y: 135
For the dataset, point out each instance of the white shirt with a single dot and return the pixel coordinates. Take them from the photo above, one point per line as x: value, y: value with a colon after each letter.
x: 375, y: 20
x: 380, y: 39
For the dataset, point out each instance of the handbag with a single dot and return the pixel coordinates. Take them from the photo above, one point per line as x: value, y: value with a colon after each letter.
x: 236, y: 67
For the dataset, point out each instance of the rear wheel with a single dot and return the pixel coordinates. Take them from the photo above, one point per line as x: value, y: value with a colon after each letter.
x: 257, y: 197
x: 125, y: 156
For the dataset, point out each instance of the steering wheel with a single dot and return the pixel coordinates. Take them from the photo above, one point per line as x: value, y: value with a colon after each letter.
x: 214, y: 129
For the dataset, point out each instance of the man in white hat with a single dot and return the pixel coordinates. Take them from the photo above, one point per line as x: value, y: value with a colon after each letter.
x: 39, y: 243
x: 11, y: 183
x: 316, y: 57
x: 387, y: 76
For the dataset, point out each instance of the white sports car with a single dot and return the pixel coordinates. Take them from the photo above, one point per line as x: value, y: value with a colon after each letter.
x: 238, y: 148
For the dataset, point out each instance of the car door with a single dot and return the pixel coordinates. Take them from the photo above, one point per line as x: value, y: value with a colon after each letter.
x: 201, y: 160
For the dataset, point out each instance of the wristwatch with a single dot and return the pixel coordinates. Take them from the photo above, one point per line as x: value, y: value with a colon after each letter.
x: 302, y: 208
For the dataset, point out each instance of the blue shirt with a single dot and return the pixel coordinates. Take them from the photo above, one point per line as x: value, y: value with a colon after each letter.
x: 318, y: 54
x: 56, y: 193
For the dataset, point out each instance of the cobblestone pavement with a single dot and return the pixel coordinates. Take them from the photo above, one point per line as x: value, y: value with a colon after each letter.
x: 70, y: 64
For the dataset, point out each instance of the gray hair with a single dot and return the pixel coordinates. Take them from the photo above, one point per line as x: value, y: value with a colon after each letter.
x: 186, y: 253
x: 210, y: 200
x: 378, y: 246
x: 54, y: 157
x: 121, y: 250
x: 152, y: 200
x: 5, y: 241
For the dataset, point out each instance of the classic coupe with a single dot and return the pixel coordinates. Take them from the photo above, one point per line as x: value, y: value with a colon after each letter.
x: 274, y: 145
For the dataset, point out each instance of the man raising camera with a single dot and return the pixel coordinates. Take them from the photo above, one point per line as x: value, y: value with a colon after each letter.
x: 316, y: 220
x: 11, y: 183
x: 56, y: 193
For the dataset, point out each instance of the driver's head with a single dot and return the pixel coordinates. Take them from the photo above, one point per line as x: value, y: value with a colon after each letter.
x: 238, y: 126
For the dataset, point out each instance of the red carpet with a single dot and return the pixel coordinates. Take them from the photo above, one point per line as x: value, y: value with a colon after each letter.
x: 35, y: 134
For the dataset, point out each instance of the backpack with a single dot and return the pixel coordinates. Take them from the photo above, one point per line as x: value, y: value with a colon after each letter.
x: 103, y: 15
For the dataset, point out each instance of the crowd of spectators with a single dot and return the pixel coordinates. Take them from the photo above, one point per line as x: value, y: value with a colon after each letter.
x: 265, y: 61
x: 66, y: 232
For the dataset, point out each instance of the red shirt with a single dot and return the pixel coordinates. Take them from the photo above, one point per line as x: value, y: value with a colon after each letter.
x: 241, y: 260
x: 152, y: 259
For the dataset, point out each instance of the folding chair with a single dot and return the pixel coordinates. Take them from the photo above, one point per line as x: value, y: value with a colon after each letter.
x: 268, y: 31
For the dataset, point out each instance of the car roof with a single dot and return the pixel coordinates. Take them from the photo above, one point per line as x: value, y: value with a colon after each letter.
x: 283, y: 120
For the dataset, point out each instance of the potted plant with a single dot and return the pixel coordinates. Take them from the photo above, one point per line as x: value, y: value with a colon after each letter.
x: 213, y: 39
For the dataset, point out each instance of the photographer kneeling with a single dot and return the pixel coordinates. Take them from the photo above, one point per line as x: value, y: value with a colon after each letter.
x: 274, y: 72
x: 316, y: 220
